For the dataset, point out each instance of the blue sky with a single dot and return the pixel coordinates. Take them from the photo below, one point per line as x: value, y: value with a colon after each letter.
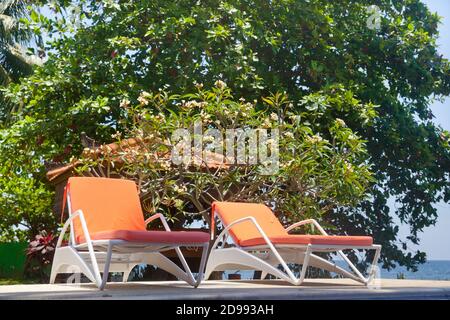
x: 436, y: 240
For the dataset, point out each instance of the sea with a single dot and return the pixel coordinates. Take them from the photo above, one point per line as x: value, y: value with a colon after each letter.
x: 430, y: 270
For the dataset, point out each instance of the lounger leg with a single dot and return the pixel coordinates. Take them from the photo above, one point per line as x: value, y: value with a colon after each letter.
x: 202, y: 266
x: 321, y: 263
x: 186, y: 268
x: 372, y: 266
x: 374, y: 263
x: 263, y: 275
x: 159, y: 260
x: 67, y: 256
x: 352, y: 266
x: 106, y: 269
x: 304, y: 265
x: 54, y: 272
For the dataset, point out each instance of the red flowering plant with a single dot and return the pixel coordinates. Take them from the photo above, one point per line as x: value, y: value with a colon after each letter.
x: 40, y: 254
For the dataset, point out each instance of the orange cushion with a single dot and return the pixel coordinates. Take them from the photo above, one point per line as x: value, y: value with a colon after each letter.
x: 183, y: 237
x: 232, y: 211
x: 312, y: 239
x: 107, y: 204
x: 245, y: 234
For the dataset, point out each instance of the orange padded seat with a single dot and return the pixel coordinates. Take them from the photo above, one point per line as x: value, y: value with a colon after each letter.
x: 351, y: 241
x: 182, y: 237
x: 112, y: 210
x: 246, y: 234
x: 232, y: 211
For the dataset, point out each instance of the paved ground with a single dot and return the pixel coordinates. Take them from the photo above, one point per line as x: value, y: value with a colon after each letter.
x: 312, y: 289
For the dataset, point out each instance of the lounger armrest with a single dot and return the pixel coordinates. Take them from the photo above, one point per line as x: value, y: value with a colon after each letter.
x: 249, y: 218
x: 308, y: 221
x: 265, y: 237
x: 79, y: 214
x: 161, y: 217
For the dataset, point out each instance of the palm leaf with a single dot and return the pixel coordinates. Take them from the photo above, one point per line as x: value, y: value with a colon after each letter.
x: 4, y: 76
x: 13, y: 59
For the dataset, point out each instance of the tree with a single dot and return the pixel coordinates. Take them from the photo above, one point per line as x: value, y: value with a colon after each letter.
x: 300, y: 173
x: 258, y: 47
x: 14, y: 62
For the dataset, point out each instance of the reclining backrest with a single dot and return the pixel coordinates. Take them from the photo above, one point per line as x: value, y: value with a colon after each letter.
x: 232, y: 211
x: 107, y: 204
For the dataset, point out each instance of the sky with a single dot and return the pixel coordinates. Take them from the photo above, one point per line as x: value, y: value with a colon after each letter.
x: 435, y: 240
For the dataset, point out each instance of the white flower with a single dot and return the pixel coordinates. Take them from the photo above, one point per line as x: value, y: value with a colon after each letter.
x: 165, y: 165
x: 340, y: 122
x: 194, y: 104
x: 247, y: 106
x: 287, y: 164
x: 348, y: 166
x: 178, y: 189
x: 315, y: 139
x: 289, y: 134
x: 204, y: 115
x: 220, y: 84
x: 190, y: 104
x: 125, y: 103
x: 143, y: 98
x: 142, y: 101
x: 116, y: 135
x: 274, y: 116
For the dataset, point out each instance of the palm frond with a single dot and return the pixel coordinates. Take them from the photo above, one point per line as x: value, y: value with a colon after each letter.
x: 4, y: 76
x: 16, y: 61
x: 13, y: 8
x: 10, y: 13
x: 8, y: 23
x: 13, y: 58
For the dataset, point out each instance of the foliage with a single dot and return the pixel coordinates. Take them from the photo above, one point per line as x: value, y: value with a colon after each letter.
x: 318, y: 50
x: 25, y: 198
x: 40, y: 254
x: 315, y: 173
x: 10, y: 282
x: 14, y: 60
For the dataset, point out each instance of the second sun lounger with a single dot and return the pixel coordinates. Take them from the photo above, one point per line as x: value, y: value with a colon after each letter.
x: 262, y: 243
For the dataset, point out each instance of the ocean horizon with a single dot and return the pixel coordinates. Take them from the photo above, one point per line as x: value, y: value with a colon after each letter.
x: 430, y: 270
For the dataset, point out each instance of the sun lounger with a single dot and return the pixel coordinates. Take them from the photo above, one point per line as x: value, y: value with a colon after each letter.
x: 260, y: 242
x: 108, y: 234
